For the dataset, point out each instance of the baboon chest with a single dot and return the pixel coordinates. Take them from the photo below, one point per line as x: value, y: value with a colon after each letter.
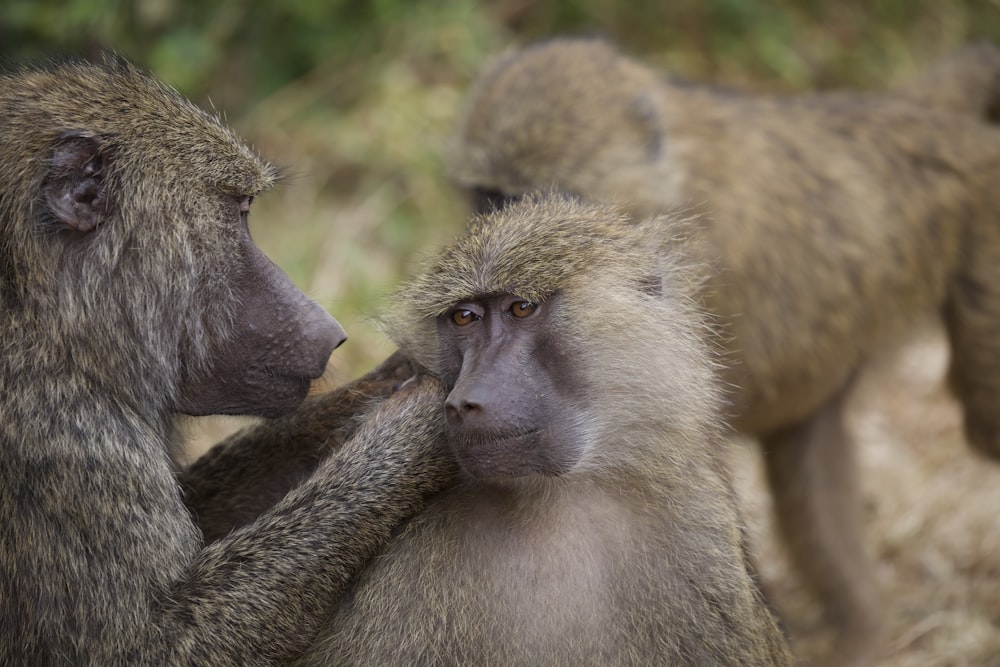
x: 481, y: 582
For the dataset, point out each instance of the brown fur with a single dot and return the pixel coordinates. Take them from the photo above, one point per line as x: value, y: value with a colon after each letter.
x: 966, y: 81
x: 835, y: 222
x: 630, y: 555
x: 130, y: 290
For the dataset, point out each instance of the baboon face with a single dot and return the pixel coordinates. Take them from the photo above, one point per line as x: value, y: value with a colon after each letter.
x: 239, y: 337
x: 509, y: 413
x: 279, y: 342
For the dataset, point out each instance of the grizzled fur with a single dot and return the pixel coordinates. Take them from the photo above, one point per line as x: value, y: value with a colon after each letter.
x: 966, y: 81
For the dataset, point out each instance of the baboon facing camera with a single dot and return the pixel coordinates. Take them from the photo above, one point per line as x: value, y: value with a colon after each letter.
x: 833, y: 223
x: 593, y: 522
x: 130, y: 291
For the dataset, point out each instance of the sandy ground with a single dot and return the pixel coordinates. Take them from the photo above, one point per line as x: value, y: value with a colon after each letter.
x: 931, y: 519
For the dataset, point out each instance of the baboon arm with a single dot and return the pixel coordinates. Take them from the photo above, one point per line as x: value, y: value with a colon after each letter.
x: 239, y: 478
x: 261, y: 593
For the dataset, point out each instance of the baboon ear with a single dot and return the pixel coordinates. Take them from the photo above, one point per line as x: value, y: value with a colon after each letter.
x: 76, y: 188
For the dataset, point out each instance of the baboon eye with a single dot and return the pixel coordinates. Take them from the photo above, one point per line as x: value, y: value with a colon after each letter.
x: 522, y: 308
x: 461, y: 317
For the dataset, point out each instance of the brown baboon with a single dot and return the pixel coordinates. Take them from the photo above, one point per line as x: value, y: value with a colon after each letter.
x: 834, y: 223
x: 594, y: 522
x: 130, y: 291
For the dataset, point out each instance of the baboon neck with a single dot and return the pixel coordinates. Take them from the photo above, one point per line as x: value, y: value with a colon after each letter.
x: 75, y: 416
x: 80, y: 385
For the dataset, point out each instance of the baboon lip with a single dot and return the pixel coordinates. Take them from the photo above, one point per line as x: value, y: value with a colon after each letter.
x: 282, y: 402
x: 517, y: 435
x: 476, y: 439
x: 296, y: 376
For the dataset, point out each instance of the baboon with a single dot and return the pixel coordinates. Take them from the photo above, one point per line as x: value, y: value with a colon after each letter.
x: 131, y: 291
x: 593, y: 522
x: 833, y: 221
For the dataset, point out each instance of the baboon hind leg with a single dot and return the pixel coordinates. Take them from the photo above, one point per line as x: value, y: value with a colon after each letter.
x: 812, y: 473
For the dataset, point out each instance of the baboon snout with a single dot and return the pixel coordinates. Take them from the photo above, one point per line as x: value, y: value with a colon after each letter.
x: 468, y: 408
x: 326, y: 333
x: 458, y: 408
x: 483, y: 408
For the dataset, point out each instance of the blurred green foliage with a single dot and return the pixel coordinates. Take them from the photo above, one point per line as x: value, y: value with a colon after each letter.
x: 356, y: 98
x: 239, y: 49
x: 243, y: 49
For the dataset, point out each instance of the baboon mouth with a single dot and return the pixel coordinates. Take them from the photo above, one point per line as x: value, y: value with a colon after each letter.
x: 488, y: 438
x: 505, y: 456
x: 297, y: 376
x: 517, y: 435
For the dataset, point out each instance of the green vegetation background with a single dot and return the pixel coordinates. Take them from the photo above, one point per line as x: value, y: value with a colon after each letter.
x: 356, y: 99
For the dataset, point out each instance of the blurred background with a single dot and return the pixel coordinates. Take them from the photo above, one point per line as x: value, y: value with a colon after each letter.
x: 356, y: 100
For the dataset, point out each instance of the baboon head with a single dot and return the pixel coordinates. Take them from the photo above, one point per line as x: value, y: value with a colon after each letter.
x: 570, y: 114
x: 123, y: 236
x: 553, y: 326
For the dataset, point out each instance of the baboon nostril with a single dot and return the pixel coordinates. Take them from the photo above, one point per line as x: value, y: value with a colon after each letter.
x: 460, y: 407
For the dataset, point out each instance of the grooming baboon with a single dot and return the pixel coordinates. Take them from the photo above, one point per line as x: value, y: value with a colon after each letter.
x: 834, y: 223
x: 594, y: 522
x: 130, y: 291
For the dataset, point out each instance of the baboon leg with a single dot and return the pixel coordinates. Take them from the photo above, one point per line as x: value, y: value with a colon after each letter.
x: 812, y: 474
x: 972, y: 315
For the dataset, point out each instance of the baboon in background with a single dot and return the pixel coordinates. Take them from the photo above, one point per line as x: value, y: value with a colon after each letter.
x: 130, y: 290
x: 594, y: 522
x: 834, y: 222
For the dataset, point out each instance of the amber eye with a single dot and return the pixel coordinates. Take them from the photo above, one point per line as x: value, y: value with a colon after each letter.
x: 522, y: 308
x: 461, y: 317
